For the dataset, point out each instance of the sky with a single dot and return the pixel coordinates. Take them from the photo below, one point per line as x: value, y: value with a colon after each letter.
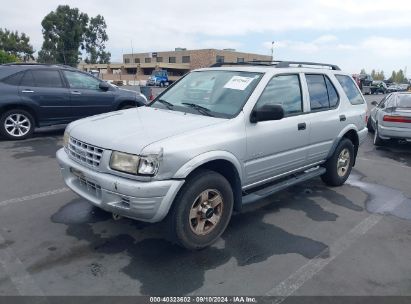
x: 369, y: 34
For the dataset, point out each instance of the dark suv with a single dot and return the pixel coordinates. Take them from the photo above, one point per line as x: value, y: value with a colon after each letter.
x: 35, y: 95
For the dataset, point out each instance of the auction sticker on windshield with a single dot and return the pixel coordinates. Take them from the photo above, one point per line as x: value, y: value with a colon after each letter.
x: 238, y: 83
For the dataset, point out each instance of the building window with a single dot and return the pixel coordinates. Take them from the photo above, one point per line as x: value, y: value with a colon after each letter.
x: 240, y: 60
x: 186, y: 59
x: 147, y: 60
x: 126, y: 60
x: 136, y: 60
x: 159, y: 59
x: 219, y: 59
x: 172, y: 59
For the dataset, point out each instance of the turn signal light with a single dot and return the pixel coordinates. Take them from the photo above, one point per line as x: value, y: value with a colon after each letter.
x: 397, y: 119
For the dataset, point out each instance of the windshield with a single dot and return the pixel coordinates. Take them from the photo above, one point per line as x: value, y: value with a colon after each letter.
x: 213, y: 93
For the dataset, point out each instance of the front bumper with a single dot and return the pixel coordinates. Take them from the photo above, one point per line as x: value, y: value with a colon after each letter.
x: 393, y: 132
x: 145, y: 201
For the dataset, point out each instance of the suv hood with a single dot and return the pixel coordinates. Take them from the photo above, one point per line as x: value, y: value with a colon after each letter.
x: 131, y: 130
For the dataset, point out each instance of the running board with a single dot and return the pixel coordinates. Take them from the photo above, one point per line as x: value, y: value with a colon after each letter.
x: 283, y: 184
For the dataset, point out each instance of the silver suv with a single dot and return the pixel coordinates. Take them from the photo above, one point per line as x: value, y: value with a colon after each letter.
x: 215, y: 139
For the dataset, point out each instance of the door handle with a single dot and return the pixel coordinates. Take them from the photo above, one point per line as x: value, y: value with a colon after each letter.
x: 75, y: 93
x: 302, y: 126
x: 343, y: 118
x: 27, y: 91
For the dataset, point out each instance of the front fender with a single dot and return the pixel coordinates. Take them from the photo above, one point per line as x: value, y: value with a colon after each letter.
x: 201, y: 159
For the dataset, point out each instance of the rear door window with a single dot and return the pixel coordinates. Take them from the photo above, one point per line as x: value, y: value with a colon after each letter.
x: 323, y: 95
x: 47, y: 78
x: 28, y: 80
x: 14, y: 79
x: 350, y: 89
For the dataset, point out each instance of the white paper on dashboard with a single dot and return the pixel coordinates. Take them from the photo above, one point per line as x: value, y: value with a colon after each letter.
x: 238, y: 83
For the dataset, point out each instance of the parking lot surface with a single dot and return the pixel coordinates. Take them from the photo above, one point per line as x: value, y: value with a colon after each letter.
x: 307, y: 240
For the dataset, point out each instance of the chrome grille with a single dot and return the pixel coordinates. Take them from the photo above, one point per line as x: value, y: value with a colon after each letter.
x: 84, y: 153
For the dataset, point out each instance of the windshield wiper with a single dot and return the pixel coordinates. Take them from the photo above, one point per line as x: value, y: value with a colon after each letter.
x: 169, y: 105
x: 201, y: 109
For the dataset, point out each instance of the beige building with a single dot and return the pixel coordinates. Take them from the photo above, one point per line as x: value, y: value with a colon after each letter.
x: 138, y: 67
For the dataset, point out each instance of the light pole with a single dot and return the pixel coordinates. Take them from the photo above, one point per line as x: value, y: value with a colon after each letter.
x: 272, y: 51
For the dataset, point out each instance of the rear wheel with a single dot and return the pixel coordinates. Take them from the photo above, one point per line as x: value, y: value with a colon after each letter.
x: 16, y: 124
x: 201, y: 210
x: 338, y: 166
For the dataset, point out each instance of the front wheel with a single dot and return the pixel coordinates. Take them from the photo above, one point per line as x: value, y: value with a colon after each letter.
x: 369, y: 125
x: 338, y: 166
x: 201, y: 210
x: 16, y: 124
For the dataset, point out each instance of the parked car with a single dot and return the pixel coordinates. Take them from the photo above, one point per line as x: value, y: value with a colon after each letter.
x: 393, y: 88
x: 378, y: 86
x: 391, y: 118
x: 194, y: 155
x: 158, y: 78
x: 35, y: 95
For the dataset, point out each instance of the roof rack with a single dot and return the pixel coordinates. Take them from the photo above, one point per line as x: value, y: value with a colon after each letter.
x: 286, y: 64
x: 277, y: 64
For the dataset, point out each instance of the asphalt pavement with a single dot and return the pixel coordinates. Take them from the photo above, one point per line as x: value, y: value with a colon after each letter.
x: 307, y: 240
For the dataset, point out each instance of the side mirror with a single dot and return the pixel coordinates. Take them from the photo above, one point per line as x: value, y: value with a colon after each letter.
x: 104, y: 86
x: 267, y: 112
x: 374, y: 103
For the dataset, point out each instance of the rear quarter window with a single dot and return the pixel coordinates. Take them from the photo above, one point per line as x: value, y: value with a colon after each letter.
x: 404, y: 101
x: 350, y: 89
x: 13, y: 79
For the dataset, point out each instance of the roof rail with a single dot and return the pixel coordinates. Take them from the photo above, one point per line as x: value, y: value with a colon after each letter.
x: 37, y: 64
x: 276, y: 64
x: 287, y: 64
x: 220, y: 64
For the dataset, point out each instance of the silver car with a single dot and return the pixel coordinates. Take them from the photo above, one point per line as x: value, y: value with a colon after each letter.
x: 213, y: 141
x: 391, y: 118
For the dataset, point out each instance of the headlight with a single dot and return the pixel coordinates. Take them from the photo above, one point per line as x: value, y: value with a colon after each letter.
x: 134, y: 164
x: 149, y: 165
x: 124, y: 162
x: 66, y: 139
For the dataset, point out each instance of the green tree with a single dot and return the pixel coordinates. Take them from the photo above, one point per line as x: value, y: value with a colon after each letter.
x: 16, y: 44
x: 67, y: 32
x: 95, y: 40
x: 7, y: 58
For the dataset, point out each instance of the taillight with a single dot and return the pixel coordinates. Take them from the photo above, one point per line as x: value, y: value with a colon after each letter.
x: 403, y: 119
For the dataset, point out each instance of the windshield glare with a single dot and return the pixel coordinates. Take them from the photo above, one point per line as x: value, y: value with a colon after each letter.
x: 223, y: 93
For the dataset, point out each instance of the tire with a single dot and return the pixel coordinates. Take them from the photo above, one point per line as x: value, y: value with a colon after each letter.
x: 125, y: 107
x: 338, y: 166
x: 369, y: 125
x: 161, y: 84
x: 377, y: 139
x: 191, y: 227
x: 16, y: 124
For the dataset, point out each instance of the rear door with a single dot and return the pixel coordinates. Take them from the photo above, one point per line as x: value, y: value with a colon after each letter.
x: 86, y: 97
x: 280, y: 146
x: 46, y: 89
x: 325, y: 118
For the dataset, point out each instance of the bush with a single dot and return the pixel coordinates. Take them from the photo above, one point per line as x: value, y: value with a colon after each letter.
x: 7, y: 58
